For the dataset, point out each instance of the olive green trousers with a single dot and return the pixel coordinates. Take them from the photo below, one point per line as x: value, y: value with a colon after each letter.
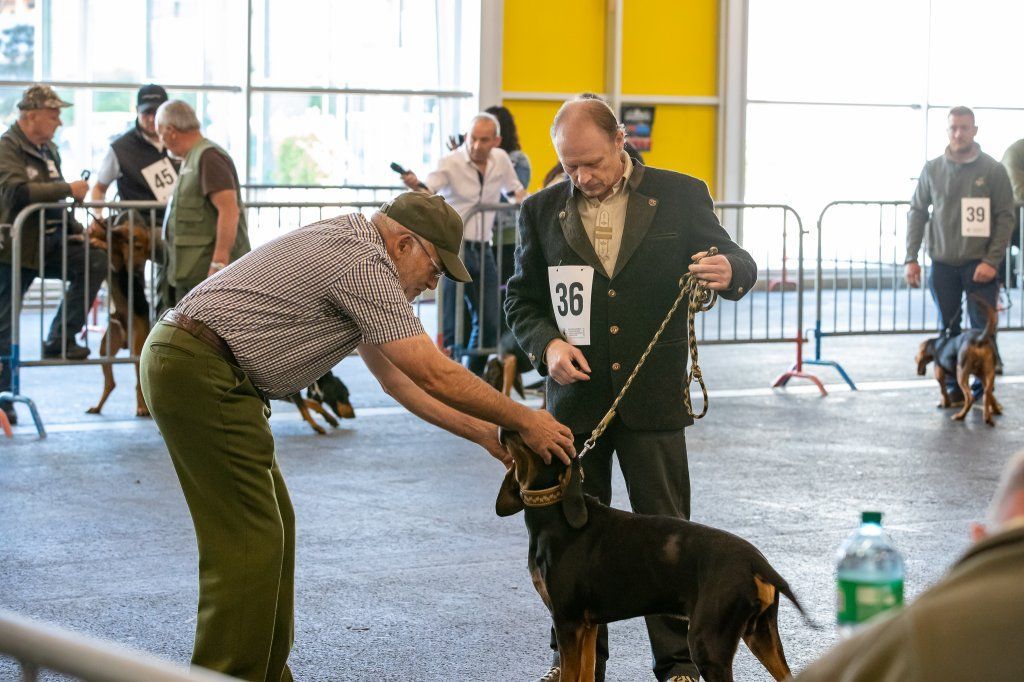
x: 214, y: 422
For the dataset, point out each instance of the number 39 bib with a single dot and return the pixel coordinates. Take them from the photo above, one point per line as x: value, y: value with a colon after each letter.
x: 975, y: 220
x: 571, y: 288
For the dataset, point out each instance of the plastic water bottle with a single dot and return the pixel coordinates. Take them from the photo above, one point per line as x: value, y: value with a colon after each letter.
x: 869, y: 575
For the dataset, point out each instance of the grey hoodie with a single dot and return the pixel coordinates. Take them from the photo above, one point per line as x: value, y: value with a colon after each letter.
x: 942, y: 184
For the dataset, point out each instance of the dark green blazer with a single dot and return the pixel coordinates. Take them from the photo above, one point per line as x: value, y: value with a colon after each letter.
x: 669, y: 217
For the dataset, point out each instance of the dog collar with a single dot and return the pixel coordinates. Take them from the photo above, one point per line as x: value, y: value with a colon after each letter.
x: 549, y: 496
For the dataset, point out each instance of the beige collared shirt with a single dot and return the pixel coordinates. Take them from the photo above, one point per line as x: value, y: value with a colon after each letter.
x: 605, y: 220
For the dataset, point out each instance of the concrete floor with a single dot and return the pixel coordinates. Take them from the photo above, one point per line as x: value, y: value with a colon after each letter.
x: 403, y: 570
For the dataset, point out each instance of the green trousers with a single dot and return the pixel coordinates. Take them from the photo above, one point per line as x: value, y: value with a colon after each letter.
x: 214, y: 422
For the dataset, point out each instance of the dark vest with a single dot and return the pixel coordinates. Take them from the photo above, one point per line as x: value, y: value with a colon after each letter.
x: 134, y: 153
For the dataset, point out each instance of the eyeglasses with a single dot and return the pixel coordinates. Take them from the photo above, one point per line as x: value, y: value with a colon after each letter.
x: 439, y: 270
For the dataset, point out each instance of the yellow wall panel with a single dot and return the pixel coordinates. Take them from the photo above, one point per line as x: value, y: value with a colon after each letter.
x: 669, y: 47
x: 553, y: 46
x: 683, y: 140
x: 533, y: 120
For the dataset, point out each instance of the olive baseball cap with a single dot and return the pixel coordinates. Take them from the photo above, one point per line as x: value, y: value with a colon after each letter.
x: 432, y: 218
x: 41, y: 97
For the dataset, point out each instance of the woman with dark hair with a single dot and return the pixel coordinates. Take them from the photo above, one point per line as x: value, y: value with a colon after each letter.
x: 506, y: 221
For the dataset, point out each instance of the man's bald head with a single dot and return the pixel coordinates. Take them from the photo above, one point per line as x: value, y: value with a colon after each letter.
x: 587, y: 109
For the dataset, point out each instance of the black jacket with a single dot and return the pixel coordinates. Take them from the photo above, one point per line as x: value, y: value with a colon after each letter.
x: 669, y: 217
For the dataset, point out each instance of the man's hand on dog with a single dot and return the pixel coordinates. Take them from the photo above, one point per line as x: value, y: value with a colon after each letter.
x: 566, y: 363
x: 912, y: 273
x: 547, y: 437
x: 984, y: 273
x: 715, y: 272
x: 489, y: 441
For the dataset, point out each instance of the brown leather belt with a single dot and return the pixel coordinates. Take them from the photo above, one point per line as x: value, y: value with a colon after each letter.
x: 201, y: 332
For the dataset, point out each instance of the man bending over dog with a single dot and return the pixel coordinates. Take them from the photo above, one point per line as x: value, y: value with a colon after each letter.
x: 968, y: 231
x: 599, y: 268
x: 266, y: 326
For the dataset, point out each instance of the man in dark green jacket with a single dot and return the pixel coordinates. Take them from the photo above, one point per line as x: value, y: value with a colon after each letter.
x: 30, y: 173
x: 204, y: 226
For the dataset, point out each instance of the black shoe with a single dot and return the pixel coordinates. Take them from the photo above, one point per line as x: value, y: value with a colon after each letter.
x: 74, y: 351
x: 8, y: 407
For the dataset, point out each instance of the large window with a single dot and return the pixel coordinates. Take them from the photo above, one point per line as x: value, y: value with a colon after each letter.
x: 848, y: 100
x: 338, y: 89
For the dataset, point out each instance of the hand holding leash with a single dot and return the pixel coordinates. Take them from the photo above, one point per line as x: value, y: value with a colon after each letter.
x: 712, y: 270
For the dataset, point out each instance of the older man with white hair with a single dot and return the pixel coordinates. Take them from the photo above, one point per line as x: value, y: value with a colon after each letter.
x: 478, y: 172
x: 204, y: 226
x: 967, y: 627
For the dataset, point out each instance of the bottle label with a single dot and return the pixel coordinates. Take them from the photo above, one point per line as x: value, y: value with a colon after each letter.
x: 857, y: 601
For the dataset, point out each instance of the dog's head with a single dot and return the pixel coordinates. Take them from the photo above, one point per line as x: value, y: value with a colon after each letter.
x: 529, y: 472
x: 129, y: 246
x: 925, y: 354
x: 333, y: 392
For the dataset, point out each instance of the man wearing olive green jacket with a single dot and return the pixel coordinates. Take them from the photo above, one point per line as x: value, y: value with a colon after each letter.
x: 967, y: 627
x: 30, y: 173
x: 204, y: 225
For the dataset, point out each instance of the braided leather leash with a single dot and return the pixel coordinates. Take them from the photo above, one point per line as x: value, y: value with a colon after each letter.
x: 701, y: 299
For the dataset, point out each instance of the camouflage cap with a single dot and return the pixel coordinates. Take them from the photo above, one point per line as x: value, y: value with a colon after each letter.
x: 41, y: 96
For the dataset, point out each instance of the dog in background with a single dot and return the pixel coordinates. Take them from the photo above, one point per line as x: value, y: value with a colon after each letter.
x: 328, y: 390
x: 506, y: 373
x: 128, y: 249
x: 592, y: 564
x: 970, y: 353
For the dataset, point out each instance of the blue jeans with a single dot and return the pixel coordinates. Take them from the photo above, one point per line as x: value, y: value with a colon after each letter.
x: 949, y: 284
x: 77, y: 299
x: 483, y: 315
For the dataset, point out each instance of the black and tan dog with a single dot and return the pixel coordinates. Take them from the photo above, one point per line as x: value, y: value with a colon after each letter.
x: 328, y: 390
x: 593, y: 564
x: 128, y: 249
x: 970, y: 353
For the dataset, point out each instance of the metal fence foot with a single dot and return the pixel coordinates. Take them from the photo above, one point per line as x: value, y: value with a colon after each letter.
x: 837, y: 367
x: 783, y: 379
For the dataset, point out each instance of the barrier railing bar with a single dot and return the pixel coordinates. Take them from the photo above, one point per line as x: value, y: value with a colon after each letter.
x: 41, y: 646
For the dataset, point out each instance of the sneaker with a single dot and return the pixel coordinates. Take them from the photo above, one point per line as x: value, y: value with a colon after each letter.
x: 682, y: 678
x: 73, y: 352
x: 553, y: 675
x: 8, y: 407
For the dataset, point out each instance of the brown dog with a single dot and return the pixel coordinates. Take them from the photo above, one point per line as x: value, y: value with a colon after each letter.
x: 970, y: 353
x: 592, y: 564
x: 128, y: 250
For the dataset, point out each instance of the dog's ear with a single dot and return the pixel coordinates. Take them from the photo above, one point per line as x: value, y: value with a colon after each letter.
x: 573, y: 505
x: 509, y: 501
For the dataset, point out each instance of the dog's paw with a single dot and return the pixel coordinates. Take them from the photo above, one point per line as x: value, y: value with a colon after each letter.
x: 959, y: 416
x: 93, y: 410
x: 142, y: 412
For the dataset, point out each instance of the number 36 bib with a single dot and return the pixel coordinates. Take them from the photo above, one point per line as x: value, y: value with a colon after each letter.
x: 571, y: 288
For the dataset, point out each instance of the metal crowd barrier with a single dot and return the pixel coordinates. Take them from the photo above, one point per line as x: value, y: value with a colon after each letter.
x: 266, y: 220
x: 37, y: 646
x: 325, y: 193
x: 859, y: 277
x: 772, y: 312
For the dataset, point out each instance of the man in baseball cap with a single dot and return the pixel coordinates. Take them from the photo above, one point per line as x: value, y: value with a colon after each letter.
x: 30, y: 172
x: 434, y: 219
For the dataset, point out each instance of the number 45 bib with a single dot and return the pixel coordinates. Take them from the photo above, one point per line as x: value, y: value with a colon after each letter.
x: 160, y: 177
x: 571, y: 288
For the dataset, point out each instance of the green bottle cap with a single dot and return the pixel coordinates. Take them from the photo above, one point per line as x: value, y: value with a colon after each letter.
x: 871, y: 517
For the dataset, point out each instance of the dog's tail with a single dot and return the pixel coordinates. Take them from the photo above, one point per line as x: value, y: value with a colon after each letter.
x: 991, y: 321
x: 770, y: 575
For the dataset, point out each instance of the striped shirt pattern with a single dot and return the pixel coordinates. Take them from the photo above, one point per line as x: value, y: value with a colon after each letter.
x: 293, y: 308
